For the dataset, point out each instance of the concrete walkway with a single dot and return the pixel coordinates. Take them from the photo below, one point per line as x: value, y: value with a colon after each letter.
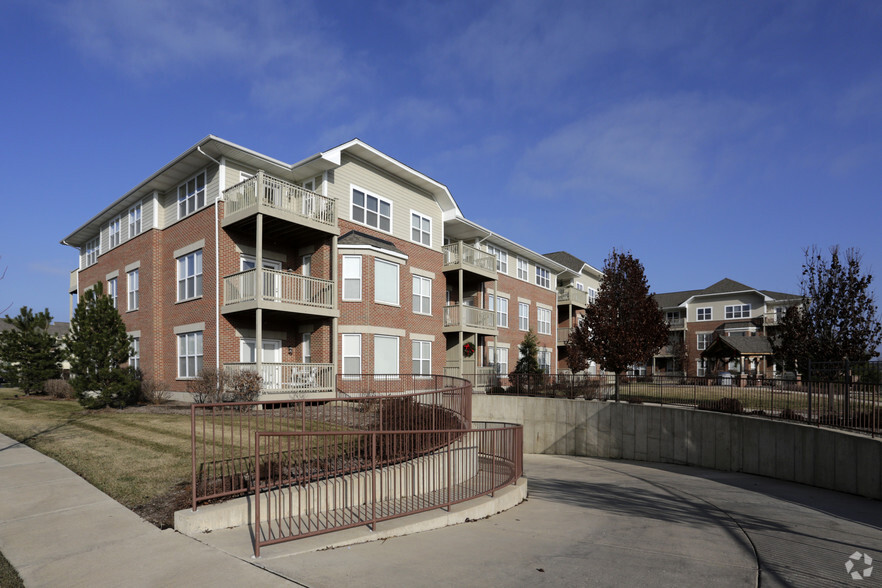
x: 587, y: 522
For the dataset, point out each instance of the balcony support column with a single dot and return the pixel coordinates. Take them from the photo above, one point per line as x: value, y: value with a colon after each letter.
x: 334, y: 321
x: 461, y: 310
x: 258, y: 287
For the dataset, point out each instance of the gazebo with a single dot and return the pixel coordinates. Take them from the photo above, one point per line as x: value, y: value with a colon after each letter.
x: 750, y: 356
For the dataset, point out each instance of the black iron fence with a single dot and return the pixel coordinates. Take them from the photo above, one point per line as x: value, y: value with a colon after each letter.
x: 847, y: 399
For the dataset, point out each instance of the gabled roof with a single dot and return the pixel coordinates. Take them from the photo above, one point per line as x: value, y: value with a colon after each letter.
x: 58, y: 329
x: 724, y: 286
x: 758, y: 345
x: 574, y: 263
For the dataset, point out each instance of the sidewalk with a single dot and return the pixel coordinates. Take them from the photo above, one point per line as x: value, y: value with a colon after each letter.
x: 587, y: 522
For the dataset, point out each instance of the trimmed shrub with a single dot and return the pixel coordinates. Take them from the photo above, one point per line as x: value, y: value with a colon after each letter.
x: 58, y: 389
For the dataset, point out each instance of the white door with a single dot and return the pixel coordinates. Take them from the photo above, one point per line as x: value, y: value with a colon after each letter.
x: 272, y: 282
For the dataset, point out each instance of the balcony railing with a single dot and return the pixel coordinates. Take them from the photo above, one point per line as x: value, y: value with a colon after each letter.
x: 289, y: 378
x: 469, y: 317
x: 459, y: 254
x: 563, y: 333
x: 678, y: 323
x: 772, y: 319
x: 571, y: 295
x: 278, y: 286
x: 266, y: 191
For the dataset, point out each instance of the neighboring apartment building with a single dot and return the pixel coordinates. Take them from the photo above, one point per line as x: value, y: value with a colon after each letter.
x: 724, y: 327
x: 346, y: 262
x: 575, y: 291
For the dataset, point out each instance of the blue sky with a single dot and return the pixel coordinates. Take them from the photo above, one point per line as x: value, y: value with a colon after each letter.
x: 712, y: 139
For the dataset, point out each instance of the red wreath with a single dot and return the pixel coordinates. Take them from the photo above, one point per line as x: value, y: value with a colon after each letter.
x: 468, y: 350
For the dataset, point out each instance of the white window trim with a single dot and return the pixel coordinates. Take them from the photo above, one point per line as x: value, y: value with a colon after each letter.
x: 196, y: 207
x: 197, y: 277
x: 501, y: 256
x: 343, y: 356
x: 360, y: 277
x: 499, y: 312
x: 698, y: 337
x: 709, y: 313
x: 522, y: 317
x: 136, y: 291
x: 421, y: 344
x: 730, y: 310
x: 139, y: 222
x: 422, y: 280
x: 422, y: 217
x: 545, y: 275
x: 539, y: 322
x: 198, y: 335
x: 352, y: 188
x: 113, y: 291
x: 526, y: 269
x: 114, y: 238
x: 397, y: 267
x: 393, y: 375
x: 135, y: 350
x: 93, y: 250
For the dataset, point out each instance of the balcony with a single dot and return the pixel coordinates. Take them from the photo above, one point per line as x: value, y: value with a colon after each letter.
x: 676, y: 324
x: 470, y: 319
x: 280, y: 291
x: 572, y: 295
x: 563, y: 333
x: 467, y: 258
x: 74, y: 279
x: 289, y: 378
x: 772, y: 319
x: 280, y: 201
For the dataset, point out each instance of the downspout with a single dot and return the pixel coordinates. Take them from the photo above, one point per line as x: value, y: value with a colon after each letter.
x: 221, y: 185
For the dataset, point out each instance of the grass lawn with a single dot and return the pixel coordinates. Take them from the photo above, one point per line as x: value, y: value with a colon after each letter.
x: 138, y: 457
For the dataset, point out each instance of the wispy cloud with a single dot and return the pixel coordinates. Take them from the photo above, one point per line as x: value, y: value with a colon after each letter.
x: 642, y: 154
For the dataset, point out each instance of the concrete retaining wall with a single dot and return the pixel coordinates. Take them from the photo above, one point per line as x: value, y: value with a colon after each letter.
x: 794, y: 452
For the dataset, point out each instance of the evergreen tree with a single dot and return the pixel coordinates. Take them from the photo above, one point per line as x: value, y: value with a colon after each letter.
x: 528, y: 363
x: 29, y: 353
x: 624, y: 326
x: 838, y: 318
x: 98, y: 345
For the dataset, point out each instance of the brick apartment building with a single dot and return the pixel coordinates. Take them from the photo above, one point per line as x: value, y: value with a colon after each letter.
x: 724, y: 327
x: 346, y: 262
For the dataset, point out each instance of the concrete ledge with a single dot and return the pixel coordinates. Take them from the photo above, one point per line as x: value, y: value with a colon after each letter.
x: 785, y: 450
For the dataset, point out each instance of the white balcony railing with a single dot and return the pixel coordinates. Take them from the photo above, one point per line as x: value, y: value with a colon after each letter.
x: 571, y: 295
x: 677, y: 323
x: 289, y: 377
x: 456, y: 254
x: 278, y: 286
x: 280, y: 195
x: 469, y: 317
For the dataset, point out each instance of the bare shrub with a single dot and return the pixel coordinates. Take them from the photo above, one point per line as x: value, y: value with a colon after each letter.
x: 155, y: 392
x: 208, y: 387
x: 58, y: 389
x: 244, y: 386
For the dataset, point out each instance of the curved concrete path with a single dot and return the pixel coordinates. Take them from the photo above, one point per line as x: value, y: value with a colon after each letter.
x: 587, y: 522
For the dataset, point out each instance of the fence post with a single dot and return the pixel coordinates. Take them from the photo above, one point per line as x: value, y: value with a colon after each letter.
x: 374, y: 481
x: 847, y: 410
x: 809, y: 384
x: 257, y: 494
x: 449, y: 477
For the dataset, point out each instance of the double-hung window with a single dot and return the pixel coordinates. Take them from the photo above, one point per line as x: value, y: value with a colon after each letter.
x: 501, y: 361
x: 371, y: 210
x: 306, y: 347
x: 704, y: 313
x: 544, y: 357
x: 351, y: 353
x: 189, y: 354
x: 592, y: 295
x: 135, y: 220
x: 523, y: 269
x: 737, y: 311
x: 190, y: 276
x: 422, y: 295
x: 703, y: 341
x: 385, y: 355
x: 501, y: 312
x: 422, y: 357
x: 135, y: 357
x: 385, y: 282
x: 113, y: 233
x: 191, y: 195
x: 132, y: 287
x: 543, y: 277
x: 93, y: 248
x: 352, y: 278
x: 543, y: 318
x: 523, y: 316
x: 501, y: 258
x: 112, y: 290
x: 420, y: 229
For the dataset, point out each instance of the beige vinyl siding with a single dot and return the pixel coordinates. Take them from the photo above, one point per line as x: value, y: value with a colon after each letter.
x: 719, y: 306
x: 234, y: 172
x: 403, y: 196
x: 146, y: 214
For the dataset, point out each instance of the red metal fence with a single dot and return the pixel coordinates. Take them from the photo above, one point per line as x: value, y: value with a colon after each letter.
x: 223, y: 434
x: 313, y: 483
